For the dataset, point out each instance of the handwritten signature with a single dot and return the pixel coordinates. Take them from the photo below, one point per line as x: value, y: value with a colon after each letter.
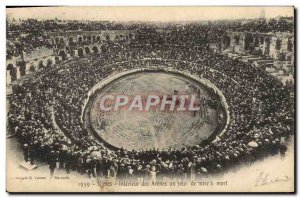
x: 265, y: 179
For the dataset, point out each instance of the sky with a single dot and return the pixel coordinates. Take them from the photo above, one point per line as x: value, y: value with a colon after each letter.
x: 146, y: 13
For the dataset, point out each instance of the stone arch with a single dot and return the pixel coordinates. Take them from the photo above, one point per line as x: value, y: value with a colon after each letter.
x: 289, y: 57
x: 256, y: 41
x: 40, y: 64
x: 56, y: 59
x: 267, y: 45
x: 56, y: 40
x: 95, y: 49
x: 32, y: 68
x: 87, y: 50
x: 80, y: 52
x: 281, y: 57
x: 22, y: 67
x: 12, y: 71
x: 67, y: 49
x: 49, y: 62
x: 248, y: 42
x: 107, y: 37
x: 63, y: 54
x: 261, y: 40
x: 130, y: 36
x: 10, y: 66
x: 89, y: 38
x: 278, y: 44
x: 226, y: 41
x: 61, y: 40
x: 267, y: 39
x: 72, y: 52
x: 237, y: 40
x: 290, y: 45
x: 80, y: 39
x: 94, y: 38
x: 98, y: 38
x: 103, y: 49
x: 71, y: 40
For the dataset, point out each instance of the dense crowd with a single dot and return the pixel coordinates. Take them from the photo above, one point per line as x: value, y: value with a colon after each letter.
x: 46, y: 110
x: 27, y: 35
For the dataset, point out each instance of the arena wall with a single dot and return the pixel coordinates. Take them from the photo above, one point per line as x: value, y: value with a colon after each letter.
x: 206, y: 83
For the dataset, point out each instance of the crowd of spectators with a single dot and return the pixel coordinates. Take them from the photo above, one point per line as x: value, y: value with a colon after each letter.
x: 27, y: 35
x: 45, y: 110
x: 282, y: 24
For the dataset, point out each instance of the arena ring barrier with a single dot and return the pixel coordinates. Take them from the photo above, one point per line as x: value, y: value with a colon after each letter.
x: 206, y: 83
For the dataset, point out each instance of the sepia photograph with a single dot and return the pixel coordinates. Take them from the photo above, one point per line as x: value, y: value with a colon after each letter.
x: 150, y: 99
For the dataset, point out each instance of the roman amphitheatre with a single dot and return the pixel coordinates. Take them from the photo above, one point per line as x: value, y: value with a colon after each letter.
x: 243, y: 80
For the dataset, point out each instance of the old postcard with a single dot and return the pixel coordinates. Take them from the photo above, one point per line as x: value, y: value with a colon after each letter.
x: 150, y: 99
